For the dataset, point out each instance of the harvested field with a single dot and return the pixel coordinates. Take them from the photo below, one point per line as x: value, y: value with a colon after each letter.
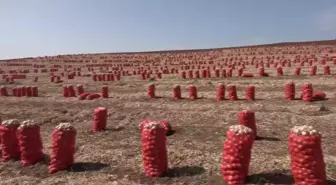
x: 195, y: 149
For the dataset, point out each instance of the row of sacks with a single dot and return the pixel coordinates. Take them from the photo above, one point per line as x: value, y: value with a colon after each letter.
x: 306, y: 155
x: 220, y: 92
x: 307, y: 92
x: 105, y: 77
x: 69, y: 91
x: 224, y: 73
x: 23, y: 141
x: 20, y: 91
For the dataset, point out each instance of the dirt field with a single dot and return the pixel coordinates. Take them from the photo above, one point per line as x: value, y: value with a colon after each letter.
x: 194, y: 150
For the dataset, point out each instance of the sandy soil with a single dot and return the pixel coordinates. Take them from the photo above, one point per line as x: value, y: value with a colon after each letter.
x: 194, y: 150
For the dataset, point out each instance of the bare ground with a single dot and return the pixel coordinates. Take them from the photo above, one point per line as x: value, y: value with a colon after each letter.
x: 194, y: 150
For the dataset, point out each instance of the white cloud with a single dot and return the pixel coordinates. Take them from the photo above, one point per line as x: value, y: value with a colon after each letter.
x: 326, y: 20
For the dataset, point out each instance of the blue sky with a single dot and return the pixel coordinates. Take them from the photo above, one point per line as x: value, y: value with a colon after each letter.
x: 51, y: 27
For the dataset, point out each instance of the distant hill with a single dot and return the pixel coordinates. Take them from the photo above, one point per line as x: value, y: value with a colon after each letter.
x: 281, y: 44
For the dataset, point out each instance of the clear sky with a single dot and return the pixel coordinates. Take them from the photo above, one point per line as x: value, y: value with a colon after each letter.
x: 51, y: 27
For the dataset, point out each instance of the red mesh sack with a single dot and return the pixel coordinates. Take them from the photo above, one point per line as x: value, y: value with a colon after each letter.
x: 99, y: 119
x: 326, y: 70
x: 220, y: 92
x: 236, y: 155
x: 229, y: 73
x: 261, y: 71
x: 154, y: 151
x: 10, y: 145
x: 240, y: 71
x: 100, y: 77
x: 250, y: 92
x: 71, y: 91
x: 307, y: 92
x: 279, y: 71
x: 217, y: 73
x: 3, y: 91
x: 297, y: 71
x: 177, y: 92
x: 248, y: 75
x: 232, y: 92
x: 197, y: 74
x: 290, y: 91
x: 143, y: 76
x: 190, y: 74
x: 204, y: 73
x: 223, y: 73
x: 93, y: 96
x: 19, y: 92
x: 151, y: 91
x: 35, y: 91
x: 80, y: 89
x: 183, y: 75
x: 247, y: 118
x: 29, y: 91
x: 63, y: 148
x: 83, y: 96
x: 65, y: 91
x: 319, y: 96
x: 105, y: 93
x: 312, y: 71
x: 307, y: 162
x: 23, y: 91
x: 192, y: 92
x: 167, y: 127
x: 30, y: 143
x: 108, y: 77
x: 208, y: 74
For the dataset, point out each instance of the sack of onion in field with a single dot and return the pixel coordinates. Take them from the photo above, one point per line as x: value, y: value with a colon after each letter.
x: 307, y: 161
x: 248, y: 75
x: 99, y: 119
x: 250, y: 92
x: 177, y: 92
x: 232, y: 92
x: 192, y: 92
x: 3, y: 91
x: 307, y: 92
x: 154, y: 149
x: 30, y: 143
x: 236, y: 155
x: 80, y: 89
x: 319, y: 95
x: 290, y: 90
x: 105, y: 93
x: 9, y: 143
x: 220, y: 92
x: 63, y: 147
x: 93, y: 96
x: 151, y: 91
